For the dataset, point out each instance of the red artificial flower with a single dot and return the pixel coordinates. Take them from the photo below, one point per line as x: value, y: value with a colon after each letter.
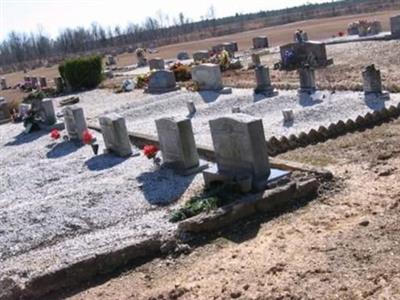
x: 55, y: 134
x: 150, y: 151
x: 87, y: 137
x: 341, y: 33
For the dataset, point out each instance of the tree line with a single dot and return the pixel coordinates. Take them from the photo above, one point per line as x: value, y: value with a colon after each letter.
x: 160, y: 30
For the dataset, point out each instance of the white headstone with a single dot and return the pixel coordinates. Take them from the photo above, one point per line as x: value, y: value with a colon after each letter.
x: 207, y: 77
x: 240, y: 151
x: 48, y: 112
x: 177, y: 143
x: 115, y: 134
x: 75, y: 122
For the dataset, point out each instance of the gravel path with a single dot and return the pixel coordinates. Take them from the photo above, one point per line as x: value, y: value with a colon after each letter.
x: 140, y: 110
x: 59, y: 203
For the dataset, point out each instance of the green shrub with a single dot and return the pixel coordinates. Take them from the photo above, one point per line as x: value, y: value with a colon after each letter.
x: 83, y: 72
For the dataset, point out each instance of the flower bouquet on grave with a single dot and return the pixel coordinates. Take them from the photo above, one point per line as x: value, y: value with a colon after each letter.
x: 31, y: 120
x: 89, y: 139
x: 56, y: 135
x: 150, y: 151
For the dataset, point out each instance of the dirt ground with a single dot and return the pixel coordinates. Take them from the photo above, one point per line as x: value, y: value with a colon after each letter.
x: 317, y: 29
x: 343, y: 245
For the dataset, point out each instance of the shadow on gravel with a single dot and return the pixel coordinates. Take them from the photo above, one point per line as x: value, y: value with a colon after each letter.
x: 163, y: 186
x: 209, y: 96
x: 104, y: 161
x: 24, y: 138
x: 307, y: 100
x: 375, y: 105
x: 62, y: 149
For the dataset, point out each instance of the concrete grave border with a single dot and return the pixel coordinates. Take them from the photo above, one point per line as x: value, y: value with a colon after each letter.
x: 279, y: 145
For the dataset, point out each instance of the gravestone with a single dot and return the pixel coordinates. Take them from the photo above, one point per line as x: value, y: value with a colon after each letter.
x: 183, y: 55
x: 260, y: 42
x: 115, y: 134
x: 162, y: 81
x: 177, y: 144
x: 240, y: 151
x: 235, y: 45
x: 141, y: 57
x: 23, y: 109
x: 59, y: 84
x: 307, y: 53
x: 372, y: 83
x: 263, y: 81
x: 45, y: 109
x: 3, y: 83
x: 288, y: 115
x: 75, y: 122
x: 191, y: 107
x: 47, y: 112
x: 307, y: 80
x: 207, y: 77
x: 43, y: 82
x: 34, y: 82
x: 255, y: 58
x: 395, y: 26
x: 110, y: 60
x: 375, y: 28
x: 5, y: 115
x: 201, y: 55
x: 156, y: 64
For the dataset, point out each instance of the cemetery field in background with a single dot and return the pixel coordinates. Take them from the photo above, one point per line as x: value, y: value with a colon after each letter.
x: 343, y: 245
x: 317, y: 29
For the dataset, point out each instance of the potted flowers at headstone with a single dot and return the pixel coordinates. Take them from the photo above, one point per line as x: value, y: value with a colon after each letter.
x: 89, y: 139
x: 150, y: 151
x: 56, y: 135
x: 31, y: 120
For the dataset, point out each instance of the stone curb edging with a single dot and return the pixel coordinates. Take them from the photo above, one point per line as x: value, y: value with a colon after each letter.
x: 278, y: 146
x: 269, y: 201
x: 79, y: 272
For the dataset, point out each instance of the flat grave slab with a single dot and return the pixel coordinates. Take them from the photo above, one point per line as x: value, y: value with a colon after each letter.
x: 140, y: 110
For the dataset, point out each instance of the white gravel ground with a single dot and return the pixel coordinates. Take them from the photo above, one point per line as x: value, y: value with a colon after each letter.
x: 140, y: 110
x: 59, y: 203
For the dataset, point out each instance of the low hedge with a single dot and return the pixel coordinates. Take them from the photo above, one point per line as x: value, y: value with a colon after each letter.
x: 82, y: 72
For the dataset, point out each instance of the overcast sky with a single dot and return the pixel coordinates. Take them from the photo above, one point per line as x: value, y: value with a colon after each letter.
x: 53, y: 15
